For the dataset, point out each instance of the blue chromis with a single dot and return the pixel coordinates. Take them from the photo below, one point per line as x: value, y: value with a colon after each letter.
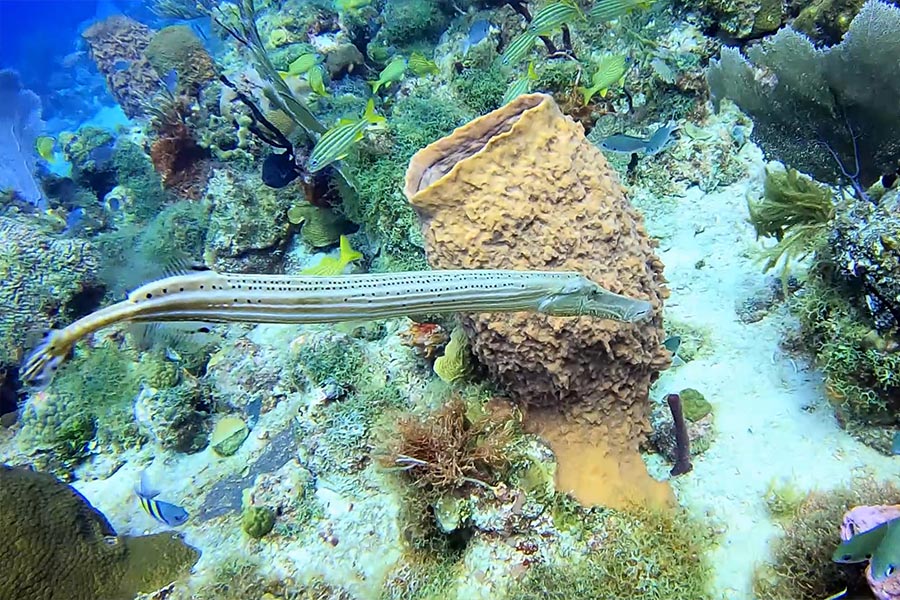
x: 337, y: 141
x: 394, y: 71
x: 422, y: 66
x: 607, y: 10
x: 521, y: 85
x: 331, y: 266
x: 553, y: 16
x: 610, y: 71
x: 164, y: 512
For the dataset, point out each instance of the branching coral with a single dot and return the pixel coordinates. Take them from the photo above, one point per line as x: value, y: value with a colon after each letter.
x: 447, y: 450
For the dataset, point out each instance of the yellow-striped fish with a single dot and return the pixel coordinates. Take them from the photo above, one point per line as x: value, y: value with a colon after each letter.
x: 553, y: 16
x: 607, y: 10
x: 316, y: 78
x: 44, y: 146
x: 518, y: 48
x: 164, y: 512
x: 304, y: 63
x: 335, y: 143
x: 422, y: 66
x: 520, y: 86
x: 610, y: 70
x: 330, y: 266
x: 394, y: 71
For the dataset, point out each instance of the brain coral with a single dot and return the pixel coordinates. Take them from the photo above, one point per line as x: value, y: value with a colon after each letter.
x: 521, y: 188
x: 177, y: 47
x: 56, y: 545
x: 118, y: 46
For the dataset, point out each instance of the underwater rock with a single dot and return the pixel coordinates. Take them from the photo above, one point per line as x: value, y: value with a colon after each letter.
x: 170, y: 416
x: 865, y: 242
x: 248, y: 225
x: 228, y: 435
x: 521, y: 188
x: 257, y: 521
x: 46, y: 280
x: 56, y: 545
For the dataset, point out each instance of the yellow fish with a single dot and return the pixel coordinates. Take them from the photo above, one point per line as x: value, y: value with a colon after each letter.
x: 610, y: 71
x: 351, y: 6
x: 303, y: 64
x: 316, y: 78
x: 330, y: 266
x: 395, y: 71
x: 44, y: 145
x: 422, y: 66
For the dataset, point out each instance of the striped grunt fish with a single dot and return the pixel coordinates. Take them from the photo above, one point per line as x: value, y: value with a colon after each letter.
x: 518, y: 48
x: 607, y: 10
x: 225, y: 297
x: 553, y: 16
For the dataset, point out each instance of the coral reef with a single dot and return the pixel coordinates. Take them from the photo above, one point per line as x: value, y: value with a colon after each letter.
x: 118, y: 46
x: 597, y: 372
x: 60, y: 546
x: 178, y: 48
x: 257, y: 521
x: 802, y: 567
x: 46, y: 281
x: 248, y: 223
x: 806, y: 102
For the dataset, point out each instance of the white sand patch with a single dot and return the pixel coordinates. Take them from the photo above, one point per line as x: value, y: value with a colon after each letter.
x: 772, y: 419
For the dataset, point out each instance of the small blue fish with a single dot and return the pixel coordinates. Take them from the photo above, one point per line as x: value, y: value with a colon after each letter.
x: 479, y: 30
x: 895, y: 445
x: 658, y: 141
x: 661, y: 139
x: 121, y: 65
x: 171, y: 80
x: 74, y: 220
x: 164, y: 512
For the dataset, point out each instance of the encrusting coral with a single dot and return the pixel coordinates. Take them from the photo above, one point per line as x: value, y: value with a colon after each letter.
x: 521, y: 188
x: 57, y: 545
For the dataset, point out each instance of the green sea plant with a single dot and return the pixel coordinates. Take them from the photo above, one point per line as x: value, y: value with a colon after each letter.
x: 643, y: 554
x: 796, y: 211
x: 802, y: 566
x: 783, y: 499
x: 455, y: 364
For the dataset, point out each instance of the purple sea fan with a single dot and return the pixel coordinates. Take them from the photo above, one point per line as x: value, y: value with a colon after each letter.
x: 20, y: 125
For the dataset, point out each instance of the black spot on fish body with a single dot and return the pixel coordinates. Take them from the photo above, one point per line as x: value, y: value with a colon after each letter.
x: 278, y: 170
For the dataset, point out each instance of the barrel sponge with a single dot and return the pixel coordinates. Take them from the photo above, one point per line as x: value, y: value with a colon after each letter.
x: 521, y: 188
x: 56, y: 545
x: 117, y: 46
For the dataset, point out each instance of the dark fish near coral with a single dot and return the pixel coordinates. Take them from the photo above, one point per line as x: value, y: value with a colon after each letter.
x: 164, y: 512
x: 658, y: 141
x: 121, y: 65
x: 74, y: 220
x: 278, y: 170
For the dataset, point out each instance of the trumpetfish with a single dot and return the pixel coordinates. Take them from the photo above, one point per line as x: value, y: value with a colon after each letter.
x: 296, y: 299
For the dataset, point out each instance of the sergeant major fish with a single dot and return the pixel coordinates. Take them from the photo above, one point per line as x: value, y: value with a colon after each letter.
x: 164, y: 512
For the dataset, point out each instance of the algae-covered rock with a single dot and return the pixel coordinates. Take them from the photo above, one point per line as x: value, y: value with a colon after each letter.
x: 257, y: 521
x: 228, y: 435
x: 56, y: 545
x: 694, y: 404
